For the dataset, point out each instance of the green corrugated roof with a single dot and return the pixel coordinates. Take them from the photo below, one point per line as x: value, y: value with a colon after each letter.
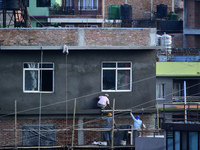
x: 177, y: 69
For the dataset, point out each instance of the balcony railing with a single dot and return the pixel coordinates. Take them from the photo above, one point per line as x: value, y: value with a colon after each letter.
x: 170, y: 25
x: 188, y: 98
x: 61, y: 11
x: 74, y: 10
x: 182, y: 113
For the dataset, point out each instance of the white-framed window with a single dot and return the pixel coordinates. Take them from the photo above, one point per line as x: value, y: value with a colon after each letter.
x: 70, y: 3
x: 160, y: 91
x: 38, y: 78
x: 88, y: 4
x: 116, y: 76
x: 177, y: 89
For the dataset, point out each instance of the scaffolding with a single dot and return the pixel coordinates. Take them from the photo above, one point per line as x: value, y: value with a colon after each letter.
x: 91, y: 132
x: 130, y: 145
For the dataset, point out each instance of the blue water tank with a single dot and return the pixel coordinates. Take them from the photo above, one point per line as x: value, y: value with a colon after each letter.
x: 10, y: 5
x: 161, y: 11
x: 126, y: 12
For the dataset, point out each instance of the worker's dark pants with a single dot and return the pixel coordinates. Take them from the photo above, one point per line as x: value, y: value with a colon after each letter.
x: 134, y: 136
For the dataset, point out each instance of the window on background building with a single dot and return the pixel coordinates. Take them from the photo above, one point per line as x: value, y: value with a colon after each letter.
x: 38, y: 78
x: 116, y: 76
x: 160, y: 91
x: 27, y: 3
x: 43, y: 3
x: 88, y: 4
x: 70, y: 4
x: 177, y: 89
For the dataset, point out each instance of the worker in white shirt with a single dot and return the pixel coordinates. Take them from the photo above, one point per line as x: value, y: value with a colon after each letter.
x: 103, y: 102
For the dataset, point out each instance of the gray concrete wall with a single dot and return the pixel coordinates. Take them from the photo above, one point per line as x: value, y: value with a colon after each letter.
x: 150, y: 143
x: 11, y: 83
x: 168, y: 89
x: 83, y: 81
x: 84, y: 78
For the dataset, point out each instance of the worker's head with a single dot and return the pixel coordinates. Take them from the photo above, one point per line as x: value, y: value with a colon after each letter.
x: 137, y: 117
x: 106, y: 95
x: 109, y: 114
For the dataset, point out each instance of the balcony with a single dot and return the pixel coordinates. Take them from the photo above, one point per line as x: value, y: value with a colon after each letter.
x: 169, y: 26
x: 89, y: 11
x: 174, y: 113
x: 188, y: 98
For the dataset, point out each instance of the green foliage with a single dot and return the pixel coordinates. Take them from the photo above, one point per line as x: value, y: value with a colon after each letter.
x: 56, y: 9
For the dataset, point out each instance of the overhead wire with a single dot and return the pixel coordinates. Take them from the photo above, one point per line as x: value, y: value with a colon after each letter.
x: 81, y: 96
x: 116, y: 113
x: 72, y: 99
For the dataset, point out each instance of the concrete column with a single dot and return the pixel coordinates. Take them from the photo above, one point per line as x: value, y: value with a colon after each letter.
x: 80, y: 132
x: 152, y: 41
x: 173, y: 6
x: 103, y: 13
x: 81, y: 35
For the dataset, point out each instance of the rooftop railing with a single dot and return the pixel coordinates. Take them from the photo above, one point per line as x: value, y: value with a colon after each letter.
x: 181, y: 113
x: 74, y: 10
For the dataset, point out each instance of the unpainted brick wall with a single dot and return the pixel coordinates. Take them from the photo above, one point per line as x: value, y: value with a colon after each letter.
x: 70, y: 37
x: 64, y: 137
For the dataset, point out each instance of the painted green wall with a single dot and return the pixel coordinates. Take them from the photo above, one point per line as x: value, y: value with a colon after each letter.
x: 177, y: 69
x: 39, y: 11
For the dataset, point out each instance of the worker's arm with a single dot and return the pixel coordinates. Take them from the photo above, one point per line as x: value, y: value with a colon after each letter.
x: 109, y: 106
x: 116, y: 126
x: 132, y: 116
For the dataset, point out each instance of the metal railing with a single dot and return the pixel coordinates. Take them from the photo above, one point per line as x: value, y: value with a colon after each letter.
x: 74, y: 10
x: 181, y: 113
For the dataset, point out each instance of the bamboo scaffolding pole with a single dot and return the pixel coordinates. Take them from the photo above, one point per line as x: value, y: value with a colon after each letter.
x: 34, y: 147
x: 15, y: 124
x: 73, y: 124
x: 37, y: 130
x: 127, y: 110
x: 128, y: 129
x: 122, y: 110
x: 113, y: 123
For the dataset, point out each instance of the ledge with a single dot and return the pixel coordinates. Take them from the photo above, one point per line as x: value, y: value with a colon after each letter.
x: 80, y: 47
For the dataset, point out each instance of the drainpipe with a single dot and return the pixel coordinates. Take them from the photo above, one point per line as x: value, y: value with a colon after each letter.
x: 151, y: 10
x: 103, y: 13
x: 173, y: 6
x: 66, y: 50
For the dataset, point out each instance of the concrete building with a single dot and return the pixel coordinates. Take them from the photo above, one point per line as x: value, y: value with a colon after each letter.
x: 170, y: 78
x: 96, y: 13
x: 39, y: 11
x: 191, y: 24
x: 44, y: 70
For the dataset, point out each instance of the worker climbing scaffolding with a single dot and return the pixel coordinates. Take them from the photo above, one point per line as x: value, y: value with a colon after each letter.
x: 103, y: 102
